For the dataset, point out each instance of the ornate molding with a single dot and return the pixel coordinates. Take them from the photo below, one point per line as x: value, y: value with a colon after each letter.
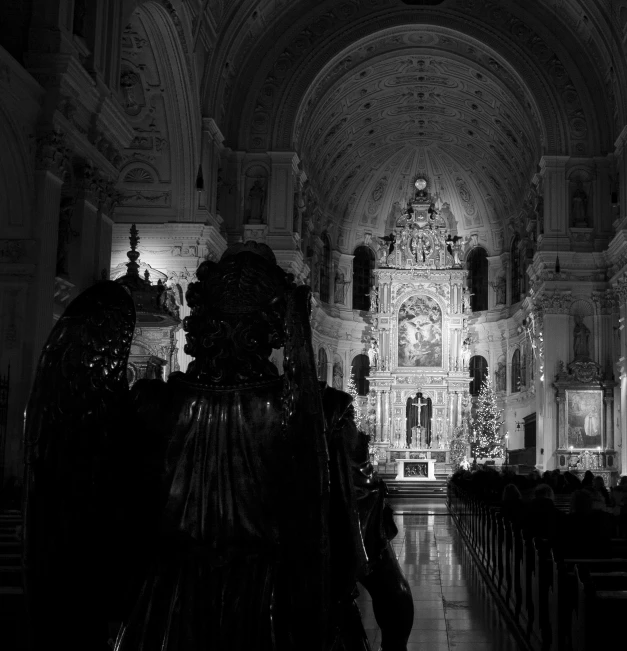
x: 52, y: 154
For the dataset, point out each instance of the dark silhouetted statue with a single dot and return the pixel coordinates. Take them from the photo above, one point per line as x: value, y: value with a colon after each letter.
x: 227, y: 508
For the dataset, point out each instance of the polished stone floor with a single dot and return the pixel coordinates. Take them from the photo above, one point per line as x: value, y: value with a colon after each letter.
x: 453, y: 609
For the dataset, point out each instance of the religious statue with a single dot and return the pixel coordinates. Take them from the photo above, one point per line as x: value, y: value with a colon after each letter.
x: 142, y: 506
x: 500, y: 290
x: 338, y: 376
x: 374, y: 299
x: 373, y: 354
x: 579, y: 206
x: 465, y: 355
x: 383, y: 250
x: 340, y: 287
x: 581, y: 338
x: 456, y: 249
x: 466, y: 300
x: 256, y: 201
x: 501, y: 376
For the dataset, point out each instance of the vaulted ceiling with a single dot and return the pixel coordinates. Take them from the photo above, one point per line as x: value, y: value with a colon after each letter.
x: 470, y: 93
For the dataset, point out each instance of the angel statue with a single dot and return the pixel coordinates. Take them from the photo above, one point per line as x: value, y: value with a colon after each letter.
x: 228, y: 508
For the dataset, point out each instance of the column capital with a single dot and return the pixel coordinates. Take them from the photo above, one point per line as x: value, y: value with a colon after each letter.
x: 552, y: 163
x: 285, y: 158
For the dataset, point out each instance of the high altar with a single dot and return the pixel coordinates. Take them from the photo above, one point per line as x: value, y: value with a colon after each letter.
x: 419, y: 351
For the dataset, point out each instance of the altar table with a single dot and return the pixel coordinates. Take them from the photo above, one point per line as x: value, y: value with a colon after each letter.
x: 415, y: 469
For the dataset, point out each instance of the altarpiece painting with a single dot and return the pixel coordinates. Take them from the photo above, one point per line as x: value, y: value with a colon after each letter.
x: 584, y: 418
x: 420, y: 333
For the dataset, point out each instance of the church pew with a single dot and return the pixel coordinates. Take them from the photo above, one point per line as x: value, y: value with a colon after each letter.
x: 562, y: 593
x: 507, y: 562
x: 600, y: 608
x: 541, y: 581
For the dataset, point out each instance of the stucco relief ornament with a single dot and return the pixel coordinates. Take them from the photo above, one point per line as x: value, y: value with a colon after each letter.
x: 585, y: 371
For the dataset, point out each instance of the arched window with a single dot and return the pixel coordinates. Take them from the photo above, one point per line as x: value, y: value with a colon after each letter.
x: 478, y: 368
x: 515, y: 385
x: 322, y: 364
x: 477, y: 264
x: 325, y: 269
x: 360, y: 370
x: 515, y: 275
x: 363, y: 278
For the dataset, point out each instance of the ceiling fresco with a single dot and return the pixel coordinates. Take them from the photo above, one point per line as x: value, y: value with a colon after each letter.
x: 457, y: 122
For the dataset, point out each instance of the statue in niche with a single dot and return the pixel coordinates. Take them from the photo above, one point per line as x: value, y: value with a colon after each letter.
x: 579, y: 207
x: 581, y: 337
x: 500, y: 288
x: 466, y: 299
x: 465, y: 354
x: 147, y: 464
x: 373, y: 354
x: 338, y: 376
x: 374, y: 299
x: 501, y: 376
x: 382, y: 250
x: 256, y: 202
x: 340, y: 287
x: 456, y: 250
x: 128, y: 82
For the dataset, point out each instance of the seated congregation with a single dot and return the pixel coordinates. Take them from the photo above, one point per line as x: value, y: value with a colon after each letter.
x: 553, y: 548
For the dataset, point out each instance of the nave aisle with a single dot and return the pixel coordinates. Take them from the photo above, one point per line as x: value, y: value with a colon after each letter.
x: 453, y: 608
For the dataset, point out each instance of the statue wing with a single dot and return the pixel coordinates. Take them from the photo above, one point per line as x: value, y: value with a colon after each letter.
x: 75, y: 420
x: 307, y: 482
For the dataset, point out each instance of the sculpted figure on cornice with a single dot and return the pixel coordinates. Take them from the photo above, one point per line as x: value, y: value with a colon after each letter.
x: 52, y: 153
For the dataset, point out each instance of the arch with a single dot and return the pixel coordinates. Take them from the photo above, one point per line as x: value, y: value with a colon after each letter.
x: 360, y: 369
x: 477, y: 265
x: 325, y: 269
x: 478, y: 368
x: 16, y: 179
x: 515, y: 383
x: 363, y: 277
x: 515, y: 275
x: 322, y: 364
x: 165, y: 34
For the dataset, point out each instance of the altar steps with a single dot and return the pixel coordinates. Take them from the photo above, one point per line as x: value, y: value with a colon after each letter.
x: 425, y: 489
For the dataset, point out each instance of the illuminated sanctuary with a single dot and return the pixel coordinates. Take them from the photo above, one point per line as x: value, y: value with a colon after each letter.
x: 448, y: 176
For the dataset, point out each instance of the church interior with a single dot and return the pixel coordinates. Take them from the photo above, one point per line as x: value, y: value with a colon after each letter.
x: 448, y: 177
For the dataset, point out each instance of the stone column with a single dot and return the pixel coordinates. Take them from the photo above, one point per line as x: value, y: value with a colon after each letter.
x: 553, y: 172
x: 49, y: 175
x: 212, y: 149
x: 330, y: 372
x: 609, y: 421
x: 556, y: 342
x: 379, y: 429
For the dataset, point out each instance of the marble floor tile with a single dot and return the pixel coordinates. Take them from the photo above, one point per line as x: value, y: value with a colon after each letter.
x: 453, y: 611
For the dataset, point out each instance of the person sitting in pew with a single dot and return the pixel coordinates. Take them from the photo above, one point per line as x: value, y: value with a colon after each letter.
x: 512, y: 506
x: 585, y: 532
x: 598, y: 502
x: 573, y: 483
x: 543, y: 519
x: 599, y: 486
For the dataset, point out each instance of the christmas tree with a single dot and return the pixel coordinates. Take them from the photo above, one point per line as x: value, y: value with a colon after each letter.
x: 487, y: 439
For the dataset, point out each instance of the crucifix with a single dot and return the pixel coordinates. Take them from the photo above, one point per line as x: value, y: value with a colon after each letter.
x: 420, y: 404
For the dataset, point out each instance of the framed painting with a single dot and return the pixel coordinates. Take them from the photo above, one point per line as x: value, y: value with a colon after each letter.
x: 584, y: 419
x: 420, y: 333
